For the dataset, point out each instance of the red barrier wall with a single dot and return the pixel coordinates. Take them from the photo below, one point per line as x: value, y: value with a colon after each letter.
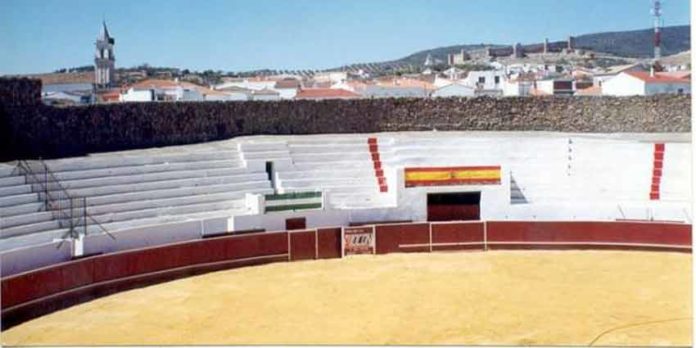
x: 458, y: 236
x: 37, y: 292
x: 402, y: 238
x: 51, y: 287
x: 502, y: 234
x: 303, y: 245
x: 329, y: 243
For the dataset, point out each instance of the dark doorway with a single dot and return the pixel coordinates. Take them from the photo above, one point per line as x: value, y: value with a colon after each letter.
x: 454, y: 206
x: 296, y: 224
x: 269, y: 172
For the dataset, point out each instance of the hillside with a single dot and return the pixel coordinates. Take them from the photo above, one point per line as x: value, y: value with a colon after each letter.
x: 638, y: 43
x: 630, y: 44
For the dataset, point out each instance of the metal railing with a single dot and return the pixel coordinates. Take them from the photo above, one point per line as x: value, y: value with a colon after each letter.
x: 69, y: 210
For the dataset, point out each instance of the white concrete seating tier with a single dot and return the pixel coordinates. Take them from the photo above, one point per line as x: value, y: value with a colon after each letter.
x: 341, y: 166
x: 676, y: 183
x: 132, y: 189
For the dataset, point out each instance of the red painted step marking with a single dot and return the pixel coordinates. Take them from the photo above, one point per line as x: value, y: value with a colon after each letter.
x: 658, y: 162
x: 377, y: 164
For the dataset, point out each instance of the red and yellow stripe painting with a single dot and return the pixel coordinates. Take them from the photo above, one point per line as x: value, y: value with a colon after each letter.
x: 445, y: 176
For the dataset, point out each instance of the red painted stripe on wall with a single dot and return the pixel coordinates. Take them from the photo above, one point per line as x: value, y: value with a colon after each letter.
x: 377, y: 164
x: 658, y: 161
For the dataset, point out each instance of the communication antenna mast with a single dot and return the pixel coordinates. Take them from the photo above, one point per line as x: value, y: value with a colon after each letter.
x: 657, y: 14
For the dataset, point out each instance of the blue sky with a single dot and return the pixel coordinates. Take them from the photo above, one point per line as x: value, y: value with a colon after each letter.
x: 234, y: 35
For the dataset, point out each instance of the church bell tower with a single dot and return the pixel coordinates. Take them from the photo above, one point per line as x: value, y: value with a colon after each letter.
x: 104, y: 60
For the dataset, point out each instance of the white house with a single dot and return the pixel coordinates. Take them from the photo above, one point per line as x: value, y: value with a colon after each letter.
x: 138, y: 95
x: 454, y: 90
x: 556, y: 86
x: 600, y: 77
x: 381, y: 91
x: 486, y: 82
x: 331, y: 77
x: 255, y: 84
x: 517, y: 87
x: 162, y: 90
x: 64, y: 97
x: 265, y: 95
x: 287, y: 88
x: 236, y: 93
x: 452, y: 75
x: 630, y: 83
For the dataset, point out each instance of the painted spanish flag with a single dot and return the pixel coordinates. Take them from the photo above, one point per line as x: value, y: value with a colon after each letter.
x: 444, y: 176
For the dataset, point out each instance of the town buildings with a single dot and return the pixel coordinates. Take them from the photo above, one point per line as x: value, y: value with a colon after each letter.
x: 511, y: 71
x: 630, y: 83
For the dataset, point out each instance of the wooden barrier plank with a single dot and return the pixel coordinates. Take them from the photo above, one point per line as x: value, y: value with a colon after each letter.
x: 402, y: 238
x: 457, y: 236
x: 302, y: 245
x: 329, y: 243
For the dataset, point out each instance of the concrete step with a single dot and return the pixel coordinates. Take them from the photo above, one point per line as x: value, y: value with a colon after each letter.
x: 29, y: 228
x: 29, y: 240
x: 129, y: 219
x: 115, y: 161
x: 327, y: 182
x: 183, y: 192
x: 14, y: 190
x: 331, y: 157
x: 8, y: 169
x: 96, y: 191
x: 336, y: 165
x: 149, y: 169
x: 25, y: 219
x: 335, y: 148
x: 335, y: 188
x: 266, y: 155
x: 149, y: 177
x: 13, y: 200
x: 12, y: 180
x: 20, y: 209
x: 172, y: 201
x: 327, y: 173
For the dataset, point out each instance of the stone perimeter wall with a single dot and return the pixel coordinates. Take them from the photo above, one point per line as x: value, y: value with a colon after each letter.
x: 32, y: 131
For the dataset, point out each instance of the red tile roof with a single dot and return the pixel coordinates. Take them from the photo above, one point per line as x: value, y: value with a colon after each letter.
x: 591, y: 91
x: 325, y: 93
x: 288, y: 84
x: 658, y: 78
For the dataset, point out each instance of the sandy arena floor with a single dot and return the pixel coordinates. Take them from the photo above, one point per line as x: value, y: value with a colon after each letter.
x: 566, y: 297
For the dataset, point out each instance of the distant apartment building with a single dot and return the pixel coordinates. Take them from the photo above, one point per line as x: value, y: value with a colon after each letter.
x: 629, y: 83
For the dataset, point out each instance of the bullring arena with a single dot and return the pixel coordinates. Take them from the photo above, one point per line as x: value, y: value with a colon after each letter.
x: 503, y: 238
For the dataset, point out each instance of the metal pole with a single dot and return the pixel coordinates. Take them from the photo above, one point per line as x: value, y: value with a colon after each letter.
x: 72, y: 227
x: 46, y: 187
x: 84, y: 213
